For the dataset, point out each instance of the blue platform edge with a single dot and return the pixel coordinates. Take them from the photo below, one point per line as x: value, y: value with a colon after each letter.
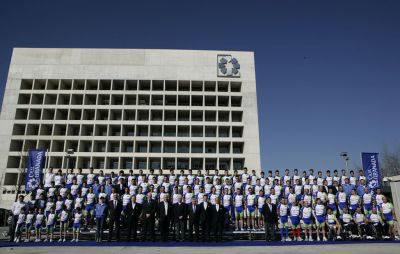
x: 181, y: 244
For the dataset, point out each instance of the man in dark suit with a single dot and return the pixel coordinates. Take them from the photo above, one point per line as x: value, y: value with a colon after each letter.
x: 180, y: 219
x: 269, y: 211
x: 120, y: 186
x: 165, y: 213
x: 132, y: 212
x: 149, y: 209
x: 205, y: 216
x: 193, y: 219
x: 115, y: 209
x: 218, y: 219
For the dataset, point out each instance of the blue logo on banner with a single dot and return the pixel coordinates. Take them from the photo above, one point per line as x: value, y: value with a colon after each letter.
x: 371, y: 170
x: 36, y: 160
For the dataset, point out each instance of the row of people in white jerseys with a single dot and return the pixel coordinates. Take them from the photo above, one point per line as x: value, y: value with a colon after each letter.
x: 331, y: 196
x: 160, y: 178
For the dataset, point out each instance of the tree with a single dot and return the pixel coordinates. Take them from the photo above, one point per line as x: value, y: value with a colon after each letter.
x: 390, y: 161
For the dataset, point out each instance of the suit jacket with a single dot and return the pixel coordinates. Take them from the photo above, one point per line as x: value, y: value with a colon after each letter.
x: 193, y: 215
x: 179, y: 210
x: 205, y: 215
x: 133, y: 213
x: 161, y: 212
x: 270, y: 215
x: 149, y: 208
x: 335, y: 189
x: 120, y: 188
x: 114, y: 210
x: 218, y: 216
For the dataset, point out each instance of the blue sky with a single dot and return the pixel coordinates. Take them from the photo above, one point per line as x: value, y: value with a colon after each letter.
x: 328, y: 72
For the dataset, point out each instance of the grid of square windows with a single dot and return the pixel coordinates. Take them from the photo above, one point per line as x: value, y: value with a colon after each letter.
x: 106, y: 120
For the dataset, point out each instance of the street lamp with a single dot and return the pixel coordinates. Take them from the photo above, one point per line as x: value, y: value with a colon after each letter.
x: 346, y: 158
x: 69, y: 153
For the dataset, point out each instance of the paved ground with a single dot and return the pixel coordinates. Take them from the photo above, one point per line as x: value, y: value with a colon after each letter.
x: 381, y: 248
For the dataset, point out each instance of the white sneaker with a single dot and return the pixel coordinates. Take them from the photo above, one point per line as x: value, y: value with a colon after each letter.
x: 17, y: 241
x: 288, y: 239
x: 325, y: 239
x: 73, y: 240
x: 299, y: 239
x: 306, y: 239
x: 310, y: 239
x: 339, y: 237
x: 51, y: 240
x: 26, y: 240
x: 60, y: 240
x: 45, y: 240
x: 64, y: 240
x: 283, y: 239
x: 318, y: 239
x: 77, y: 240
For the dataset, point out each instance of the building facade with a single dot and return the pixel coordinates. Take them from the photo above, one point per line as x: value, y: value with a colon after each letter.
x: 130, y: 109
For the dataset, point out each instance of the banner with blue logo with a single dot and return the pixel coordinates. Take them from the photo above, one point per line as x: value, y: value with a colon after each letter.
x: 371, y: 169
x: 36, y: 160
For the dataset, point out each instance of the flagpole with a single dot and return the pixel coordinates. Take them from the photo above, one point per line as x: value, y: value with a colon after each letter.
x: 46, y: 166
x: 23, y: 159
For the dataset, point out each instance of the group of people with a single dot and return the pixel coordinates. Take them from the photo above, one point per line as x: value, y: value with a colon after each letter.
x: 202, y: 207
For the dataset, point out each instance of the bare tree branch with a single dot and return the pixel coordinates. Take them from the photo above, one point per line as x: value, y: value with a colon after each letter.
x: 390, y: 161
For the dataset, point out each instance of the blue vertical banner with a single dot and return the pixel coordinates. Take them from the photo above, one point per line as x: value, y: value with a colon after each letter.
x: 36, y: 160
x: 371, y: 169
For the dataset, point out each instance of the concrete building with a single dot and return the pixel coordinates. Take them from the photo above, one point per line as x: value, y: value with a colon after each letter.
x: 130, y: 109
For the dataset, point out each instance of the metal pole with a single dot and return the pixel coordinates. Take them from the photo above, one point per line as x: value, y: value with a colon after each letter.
x: 46, y: 165
x: 68, y: 166
x: 23, y: 159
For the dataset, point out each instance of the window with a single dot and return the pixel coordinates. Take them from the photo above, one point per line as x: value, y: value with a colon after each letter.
x: 169, y: 147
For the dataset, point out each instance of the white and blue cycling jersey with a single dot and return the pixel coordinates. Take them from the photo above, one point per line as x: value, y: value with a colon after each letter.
x: 354, y: 201
x: 260, y: 202
x: 306, y: 215
x: 283, y: 213
x: 227, y: 200
x: 319, y: 210
x: 341, y: 197
x: 331, y: 219
x: 332, y: 201
x: 359, y: 218
x: 387, y: 211
x: 295, y: 215
x: 238, y: 201
x: 251, y: 202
